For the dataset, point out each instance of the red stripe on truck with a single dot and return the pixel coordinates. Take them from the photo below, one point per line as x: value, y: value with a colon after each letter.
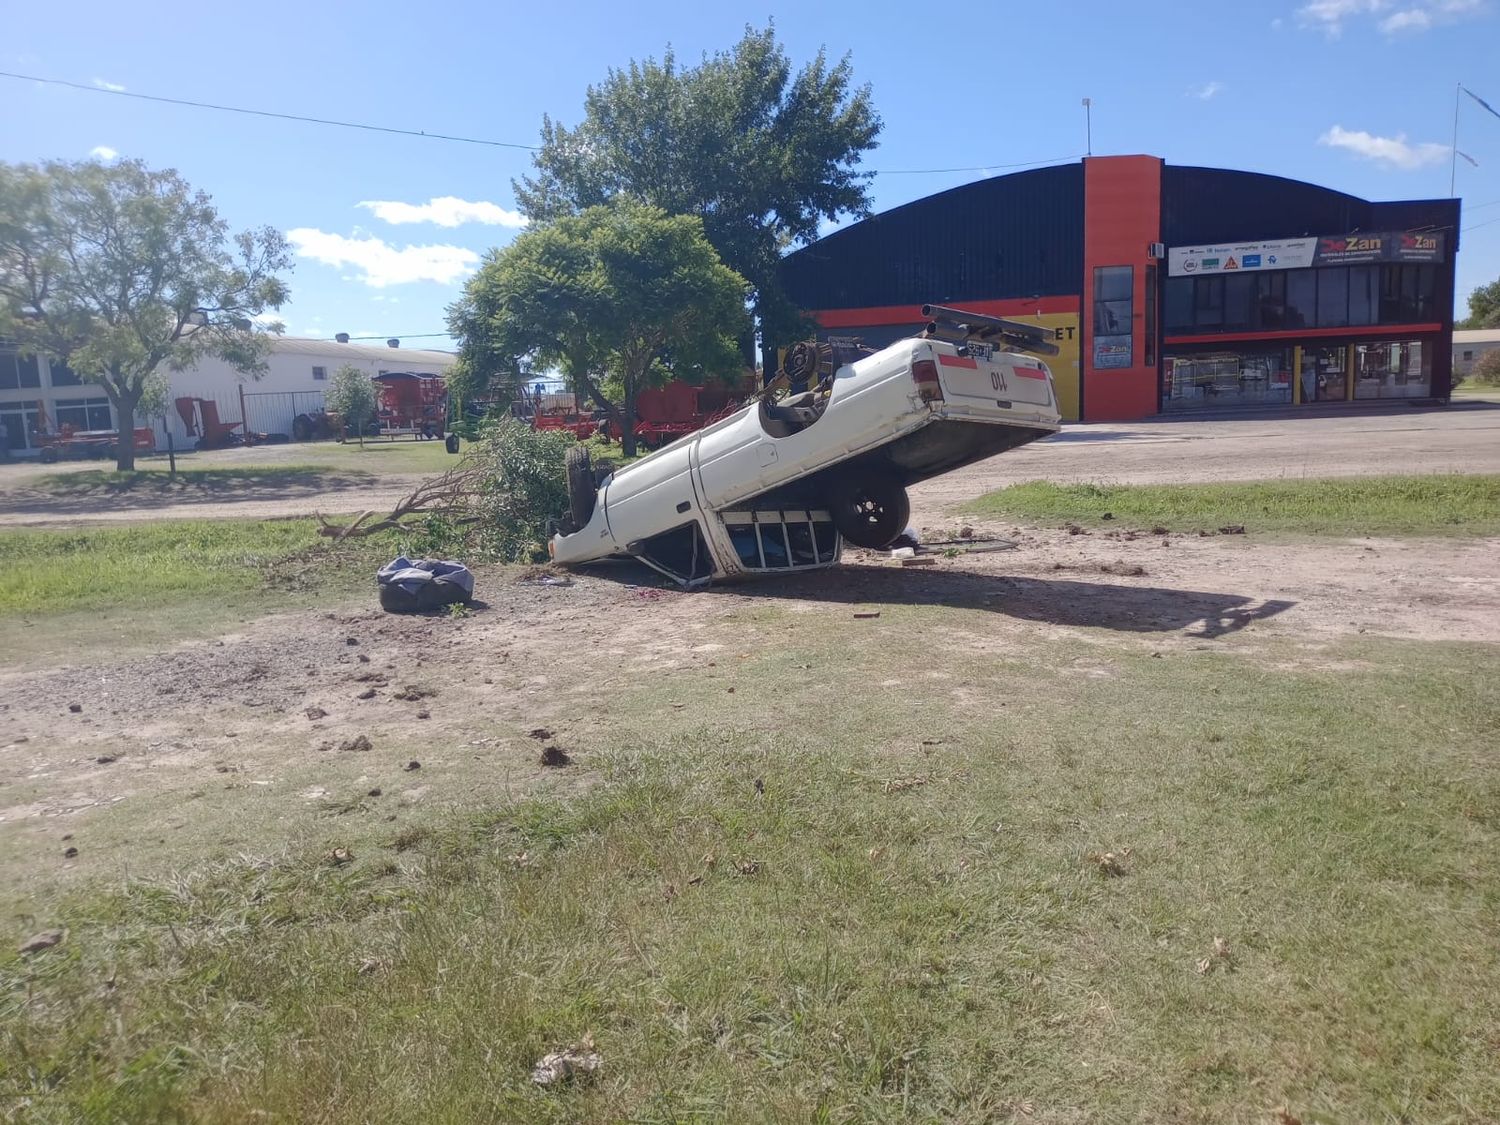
x: 958, y: 361
x: 1030, y: 372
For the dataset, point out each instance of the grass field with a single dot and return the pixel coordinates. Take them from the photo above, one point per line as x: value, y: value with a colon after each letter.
x: 1396, y: 505
x: 1149, y: 897
x: 149, y: 582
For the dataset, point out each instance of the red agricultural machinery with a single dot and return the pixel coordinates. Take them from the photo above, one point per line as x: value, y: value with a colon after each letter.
x: 664, y: 414
x: 408, y: 404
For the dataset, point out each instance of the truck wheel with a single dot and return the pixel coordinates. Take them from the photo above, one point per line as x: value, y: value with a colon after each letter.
x: 450, y: 443
x: 49, y: 454
x: 870, y: 510
x: 581, y: 490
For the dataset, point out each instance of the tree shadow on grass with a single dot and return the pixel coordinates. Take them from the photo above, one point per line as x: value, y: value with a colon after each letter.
x: 87, y: 490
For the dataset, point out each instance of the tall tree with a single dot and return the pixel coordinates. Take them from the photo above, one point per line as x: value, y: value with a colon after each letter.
x: 1484, y: 307
x: 122, y: 272
x: 760, y: 155
x: 622, y: 294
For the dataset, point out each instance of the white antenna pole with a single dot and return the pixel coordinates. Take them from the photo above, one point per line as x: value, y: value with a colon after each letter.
x: 1088, y: 124
x: 1453, y: 157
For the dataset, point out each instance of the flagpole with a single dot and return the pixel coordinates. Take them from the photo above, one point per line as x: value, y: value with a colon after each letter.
x: 1453, y: 156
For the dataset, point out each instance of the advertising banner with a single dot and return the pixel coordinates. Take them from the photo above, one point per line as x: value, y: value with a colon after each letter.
x: 1299, y: 253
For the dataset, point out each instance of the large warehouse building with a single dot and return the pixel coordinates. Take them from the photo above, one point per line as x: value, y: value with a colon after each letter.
x: 1167, y: 288
x: 37, y: 395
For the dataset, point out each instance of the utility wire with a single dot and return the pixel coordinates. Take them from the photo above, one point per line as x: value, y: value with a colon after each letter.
x: 89, y: 89
x: 266, y: 113
x: 976, y: 168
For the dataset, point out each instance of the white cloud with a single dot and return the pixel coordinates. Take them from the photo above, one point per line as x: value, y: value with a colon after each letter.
x: 445, y: 211
x: 1277, y: 24
x: 112, y: 87
x: 1394, y: 152
x: 379, y: 264
x: 1206, y: 91
x: 103, y: 152
x: 1330, y: 16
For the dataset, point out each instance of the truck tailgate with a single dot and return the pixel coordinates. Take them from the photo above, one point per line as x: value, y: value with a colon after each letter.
x: 997, y: 382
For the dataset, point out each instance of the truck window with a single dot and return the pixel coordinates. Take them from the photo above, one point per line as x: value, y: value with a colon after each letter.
x: 680, y: 553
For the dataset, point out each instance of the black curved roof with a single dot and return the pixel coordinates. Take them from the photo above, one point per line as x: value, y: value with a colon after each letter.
x: 1021, y: 235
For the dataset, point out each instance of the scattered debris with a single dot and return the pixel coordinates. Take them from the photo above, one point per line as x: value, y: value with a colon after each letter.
x: 75, y: 707
x: 351, y: 641
x: 924, y: 560
x: 44, y: 940
x: 70, y: 853
x: 363, y: 659
x: 368, y: 693
x: 375, y: 792
x: 520, y: 860
x: 424, y: 714
x: 1160, y: 530
x: 865, y: 615
x: 1110, y: 864
x: 1074, y: 529
x: 1285, y: 1116
x: 554, y: 580
x: 412, y: 765
x: 1235, y: 529
x: 966, y: 532
x: 358, y: 742
x: 1220, y: 956
x: 760, y: 787
x: 555, y: 756
x: 540, y: 733
x: 1107, y: 516
x: 580, y: 1061
x: 876, y: 854
x: 107, y: 759
x: 369, y: 965
x: 315, y: 713
x: 747, y: 866
x: 340, y: 856
x: 411, y: 693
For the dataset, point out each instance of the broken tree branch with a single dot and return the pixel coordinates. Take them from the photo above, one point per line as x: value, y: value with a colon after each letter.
x: 444, y: 491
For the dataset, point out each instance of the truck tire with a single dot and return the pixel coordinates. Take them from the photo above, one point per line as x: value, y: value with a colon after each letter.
x: 870, y: 510
x: 450, y: 443
x: 49, y: 455
x: 581, y: 490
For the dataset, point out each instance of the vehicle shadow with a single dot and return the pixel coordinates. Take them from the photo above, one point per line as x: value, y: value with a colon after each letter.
x: 1051, y: 601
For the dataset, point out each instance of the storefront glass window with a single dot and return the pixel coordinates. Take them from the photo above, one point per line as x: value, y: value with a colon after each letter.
x: 18, y: 422
x: 19, y: 372
x: 1239, y: 302
x: 1179, y: 304
x: 1324, y: 378
x: 1364, y: 294
x: 1301, y: 298
x: 1194, y: 380
x: 1333, y: 298
x: 1270, y: 300
x: 1402, y: 369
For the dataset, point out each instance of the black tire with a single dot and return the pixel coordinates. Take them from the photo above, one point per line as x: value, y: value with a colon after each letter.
x: 450, y: 443
x: 302, y: 428
x: 49, y: 455
x: 870, y: 510
x: 581, y: 490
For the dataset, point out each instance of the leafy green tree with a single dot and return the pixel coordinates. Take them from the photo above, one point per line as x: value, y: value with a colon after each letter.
x: 760, y: 155
x: 351, y: 395
x: 1486, y: 370
x: 1484, y: 307
x: 122, y: 273
x: 620, y: 294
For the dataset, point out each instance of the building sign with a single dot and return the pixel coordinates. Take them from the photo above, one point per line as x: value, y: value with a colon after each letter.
x: 1300, y: 253
x: 1111, y: 351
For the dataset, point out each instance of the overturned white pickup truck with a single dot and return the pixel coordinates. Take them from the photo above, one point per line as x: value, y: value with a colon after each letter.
x: 777, y: 486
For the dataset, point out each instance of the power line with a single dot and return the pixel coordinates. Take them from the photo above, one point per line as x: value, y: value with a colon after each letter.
x: 266, y: 113
x: 1476, y: 226
x: 976, y: 168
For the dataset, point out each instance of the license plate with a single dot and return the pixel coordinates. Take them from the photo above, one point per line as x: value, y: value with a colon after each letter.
x: 980, y: 351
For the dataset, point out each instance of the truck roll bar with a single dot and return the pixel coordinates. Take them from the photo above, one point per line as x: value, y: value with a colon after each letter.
x: 961, y: 326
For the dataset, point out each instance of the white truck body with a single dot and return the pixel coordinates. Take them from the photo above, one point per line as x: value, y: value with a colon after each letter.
x: 755, y: 485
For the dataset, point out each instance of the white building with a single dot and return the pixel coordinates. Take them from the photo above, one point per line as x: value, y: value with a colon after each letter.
x: 1469, y: 344
x: 297, y: 373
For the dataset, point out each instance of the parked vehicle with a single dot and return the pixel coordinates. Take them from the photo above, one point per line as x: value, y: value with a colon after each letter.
x: 777, y: 486
x: 664, y: 414
x: 69, y: 443
x: 409, y: 404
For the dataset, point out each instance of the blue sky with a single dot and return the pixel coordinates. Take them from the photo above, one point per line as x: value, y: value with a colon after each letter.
x: 1353, y: 94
